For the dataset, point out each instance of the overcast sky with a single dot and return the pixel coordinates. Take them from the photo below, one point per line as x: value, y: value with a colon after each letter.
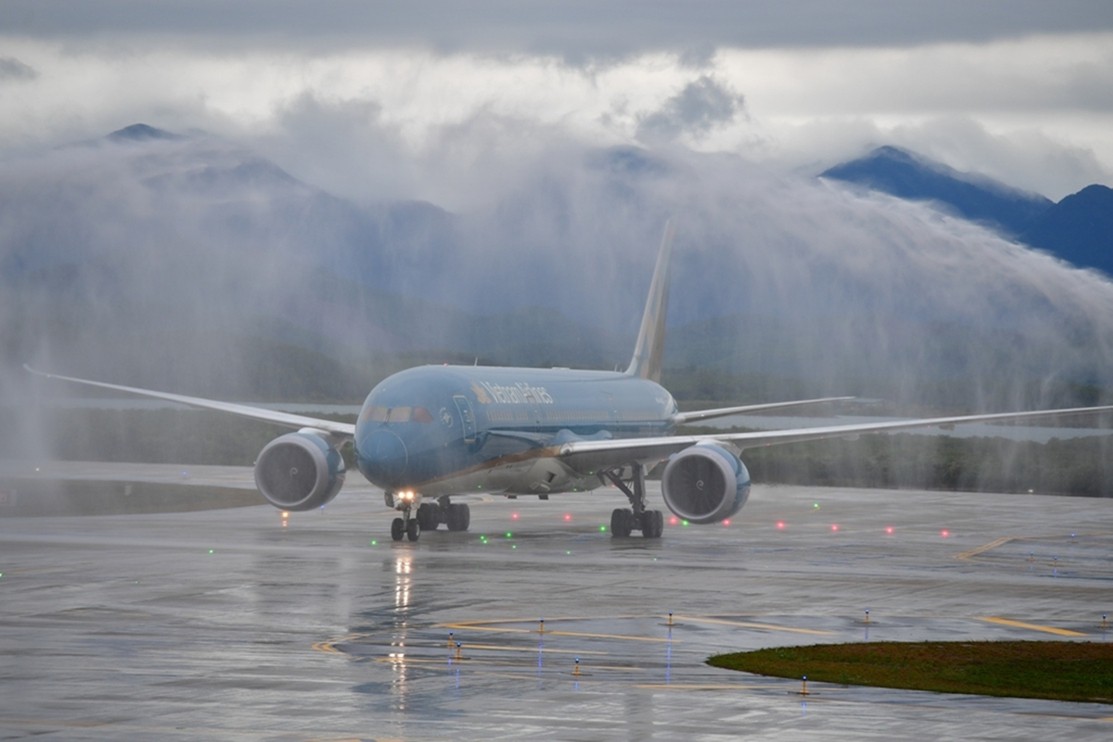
x: 402, y: 99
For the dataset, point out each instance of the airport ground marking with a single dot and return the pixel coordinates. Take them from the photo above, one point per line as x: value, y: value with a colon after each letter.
x: 985, y: 547
x: 494, y: 626
x: 698, y: 686
x: 752, y: 625
x: 529, y: 649
x: 620, y: 637
x: 1030, y: 626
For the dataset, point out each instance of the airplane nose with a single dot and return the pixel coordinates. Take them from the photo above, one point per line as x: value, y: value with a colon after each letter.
x: 384, y: 458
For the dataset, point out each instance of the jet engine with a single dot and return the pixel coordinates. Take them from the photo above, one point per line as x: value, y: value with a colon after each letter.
x: 705, y: 483
x: 299, y: 471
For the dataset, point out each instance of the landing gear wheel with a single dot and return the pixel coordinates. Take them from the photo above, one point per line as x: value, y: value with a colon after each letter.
x: 622, y: 522
x: 429, y: 516
x: 413, y: 530
x: 653, y: 523
x: 458, y: 517
x: 397, y: 529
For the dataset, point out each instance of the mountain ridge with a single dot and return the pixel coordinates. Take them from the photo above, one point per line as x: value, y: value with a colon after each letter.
x: 1077, y: 229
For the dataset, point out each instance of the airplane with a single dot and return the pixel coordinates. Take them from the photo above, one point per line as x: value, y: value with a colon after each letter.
x: 432, y: 433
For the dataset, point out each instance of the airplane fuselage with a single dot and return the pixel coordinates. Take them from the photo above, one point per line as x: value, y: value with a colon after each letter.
x: 455, y: 429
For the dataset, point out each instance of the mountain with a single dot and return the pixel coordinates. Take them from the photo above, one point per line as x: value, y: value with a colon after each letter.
x: 913, y: 177
x: 1078, y: 229
x: 146, y: 255
x: 196, y: 264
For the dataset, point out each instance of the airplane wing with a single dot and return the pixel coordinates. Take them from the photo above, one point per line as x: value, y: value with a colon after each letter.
x: 681, y: 418
x: 592, y: 455
x: 289, y: 420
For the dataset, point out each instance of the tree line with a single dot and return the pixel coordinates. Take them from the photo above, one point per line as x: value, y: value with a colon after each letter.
x: 1069, y: 466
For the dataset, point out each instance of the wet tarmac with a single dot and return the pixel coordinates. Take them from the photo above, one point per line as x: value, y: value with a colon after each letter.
x: 233, y: 624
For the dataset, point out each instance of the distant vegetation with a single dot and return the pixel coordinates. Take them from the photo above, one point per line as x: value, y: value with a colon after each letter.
x: 1077, y: 466
x: 1080, y: 466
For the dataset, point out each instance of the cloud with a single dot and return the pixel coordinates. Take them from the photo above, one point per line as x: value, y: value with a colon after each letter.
x: 200, y: 241
x: 334, y: 93
x: 576, y: 29
x: 701, y: 106
x: 13, y: 69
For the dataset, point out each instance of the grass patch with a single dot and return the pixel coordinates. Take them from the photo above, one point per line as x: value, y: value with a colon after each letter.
x: 1061, y: 671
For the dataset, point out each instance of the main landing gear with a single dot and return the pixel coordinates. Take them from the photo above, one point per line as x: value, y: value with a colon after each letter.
x: 428, y: 517
x: 635, y: 518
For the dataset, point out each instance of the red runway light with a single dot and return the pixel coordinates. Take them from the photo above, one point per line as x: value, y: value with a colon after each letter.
x: 945, y: 533
x: 726, y: 522
x: 889, y: 530
x: 568, y: 517
x: 513, y: 516
x: 673, y: 520
x: 834, y: 528
x: 780, y: 525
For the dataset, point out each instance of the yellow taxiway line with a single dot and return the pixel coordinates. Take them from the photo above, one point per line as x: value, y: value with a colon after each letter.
x: 751, y: 625
x: 1031, y: 626
x: 985, y: 547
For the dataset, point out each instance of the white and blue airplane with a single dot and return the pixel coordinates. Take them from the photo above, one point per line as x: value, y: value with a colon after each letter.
x: 433, y: 433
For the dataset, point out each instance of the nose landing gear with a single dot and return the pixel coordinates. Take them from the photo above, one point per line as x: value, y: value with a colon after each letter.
x: 427, y: 517
x: 405, y: 526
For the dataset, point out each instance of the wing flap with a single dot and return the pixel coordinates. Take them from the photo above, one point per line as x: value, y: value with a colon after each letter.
x: 682, y: 418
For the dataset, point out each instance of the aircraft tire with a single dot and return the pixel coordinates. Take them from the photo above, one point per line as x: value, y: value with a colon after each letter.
x: 429, y: 516
x: 397, y: 529
x: 622, y: 522
x: 653, y: 523
x: 458, y: 517
x: 413, y: 530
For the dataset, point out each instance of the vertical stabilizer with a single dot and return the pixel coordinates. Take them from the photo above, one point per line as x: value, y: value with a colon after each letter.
x: 650, y: 347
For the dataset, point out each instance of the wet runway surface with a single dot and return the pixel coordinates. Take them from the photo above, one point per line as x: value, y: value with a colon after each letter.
x: 217, y: 624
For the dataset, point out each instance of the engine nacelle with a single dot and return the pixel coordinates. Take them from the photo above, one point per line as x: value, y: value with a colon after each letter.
x: 299, y: 471
x: 705, y: 483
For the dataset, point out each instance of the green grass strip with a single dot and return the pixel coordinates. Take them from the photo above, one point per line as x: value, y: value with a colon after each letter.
x: 1062, y: 671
